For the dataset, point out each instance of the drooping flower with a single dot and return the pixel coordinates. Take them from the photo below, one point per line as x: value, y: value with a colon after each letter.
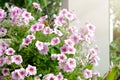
x: 31, y: 70
x: 8, y: 60
x: 36, y: 5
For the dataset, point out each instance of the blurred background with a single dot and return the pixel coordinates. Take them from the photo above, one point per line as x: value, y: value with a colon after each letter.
x: 115, y: 24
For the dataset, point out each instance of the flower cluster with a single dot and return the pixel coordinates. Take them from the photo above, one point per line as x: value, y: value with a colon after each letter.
x: 46, y: 50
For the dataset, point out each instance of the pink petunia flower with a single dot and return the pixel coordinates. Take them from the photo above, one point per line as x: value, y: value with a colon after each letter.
x: 69, y: 42
x: 5, y: 71
x: 22, y: 73
x: 40, y: 27
x: 26, y: 41
x: 39, y: 45
x: 31, y: 70
x: 55, y: 41
x: 60, y: 76
x: 50, y: 77
x: 71, y: 63
x: 2, y: 14
x: 8, y: 60
x: 64, y: 49
x: 47, y: 30
x: 58, y: 32
x: 71, y: 50
x: 79, y: 78
x: 87, y: 73
x: 10, y: 51
x: 61, y: 57
x: 17, y: 59
x: 36, y: 5
x: 31, y: 37
x: 3, y: 32
x: 45, y: 49
x: 54, y: 56
x: 75, y: 38
x: 2, y: 61
x: 15, y: 75
x: 90, y: 27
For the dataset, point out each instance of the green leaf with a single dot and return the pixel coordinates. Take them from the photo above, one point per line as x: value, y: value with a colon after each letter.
x: 112, y: 74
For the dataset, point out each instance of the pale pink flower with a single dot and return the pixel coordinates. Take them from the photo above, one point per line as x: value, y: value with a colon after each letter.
x: 60, y: 76
x: 26, y: 15
x: 71, y: 50
x: 17, y: 59
x: 22, y: 73
x: 69, y: 42
x: 15, y: 75
x: 50, y: 77
x: 61, y: 64
x: 66, y: 68
x: 70, y: 16
x: 31, y: 37
x: 31, y: 70
x: 64, y: 49
x: 93, y: 52
x: 71, y: 63
x: 8, y: 60
x: 61, y: 57
x: 81, y: 36
x: 36, y: 5
x: 40, y: 27
x: 45, y: 49
x: 55, y: 41
x: 5, y: 71
x: 15, y: 12
x: 94, y: 61
x: 42, y: 19
x: 3, y: 32
x: 2, y: 61
x: 75, y: 38
x: 63, y: 11
x: 90, y: 27
x: 87, y: 73
x: 59, y: 21
x: 2, y: 14
x: 39, y: 45
x: 58, y: 32
x: 47, y: 30
x: 10, y: 51
x: 26, y: 41
x: 54, y: 56
x: 79, y: 78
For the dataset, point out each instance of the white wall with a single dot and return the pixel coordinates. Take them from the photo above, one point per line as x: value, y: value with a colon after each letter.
x: 95, y: 11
